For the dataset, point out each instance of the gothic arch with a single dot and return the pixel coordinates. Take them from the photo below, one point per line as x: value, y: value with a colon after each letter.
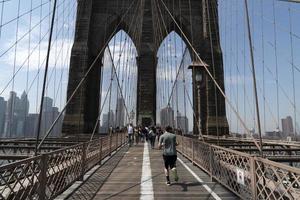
x: 92, y: 18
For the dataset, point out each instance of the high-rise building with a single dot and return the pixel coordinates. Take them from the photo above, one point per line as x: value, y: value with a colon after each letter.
x: 15, y: 115
x: 2, y: 115
x: 49, y: 114
x: 182, y: 123
x: 48, y: 103
x: 21, y: 110
x: 167, y: 117
x: 287, y: 126
x: 10, y: 123
x: 120, y: 113
x: 31, y: 125
x: 108, y: 119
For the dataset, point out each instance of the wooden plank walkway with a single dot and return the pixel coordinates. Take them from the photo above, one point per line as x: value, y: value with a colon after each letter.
x: 125, y: 181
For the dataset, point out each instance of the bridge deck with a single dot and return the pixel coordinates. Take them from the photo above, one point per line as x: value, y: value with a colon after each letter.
x: 125, y: 181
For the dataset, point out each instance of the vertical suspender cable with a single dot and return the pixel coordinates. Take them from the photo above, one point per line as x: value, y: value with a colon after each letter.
x: 1, y: 19
x: 186, y: 126
x: 12, y: 106
x: 111, y: 79
x: 237, y: 64
x: 293, y: 71
x: 45, y: 78
x: 28, y: 65
x: 263, y: 63
x: 276, y: 63
x: 253, y: 75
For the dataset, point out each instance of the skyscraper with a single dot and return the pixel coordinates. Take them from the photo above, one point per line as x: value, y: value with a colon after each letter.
x: 48, y: 103
x: 15, y: 115
x: 21, y: 110
x: 2, y: 115
x: 287, y: 126
x: 167, y: 117
x: 107, y: 121
x: 182, y: 123
x: 120, y: 113
x: 31, y: 125
x: 10, y: 117
x: 49, y: 115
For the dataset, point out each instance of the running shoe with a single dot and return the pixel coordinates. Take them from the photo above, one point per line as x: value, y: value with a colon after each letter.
x: 168, y: 183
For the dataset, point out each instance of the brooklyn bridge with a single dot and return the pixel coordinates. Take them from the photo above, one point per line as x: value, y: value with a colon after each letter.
x: 89, y: 87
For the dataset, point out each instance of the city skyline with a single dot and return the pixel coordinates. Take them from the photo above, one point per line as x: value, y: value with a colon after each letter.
x: 16, y: 121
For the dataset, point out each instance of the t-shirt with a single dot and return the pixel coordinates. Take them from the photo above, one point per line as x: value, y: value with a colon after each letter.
x: 130, y: 130
x: 168, y: 140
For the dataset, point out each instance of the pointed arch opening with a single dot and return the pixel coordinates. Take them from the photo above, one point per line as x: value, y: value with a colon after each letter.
x: 174, y: 92
x: 118, y: 83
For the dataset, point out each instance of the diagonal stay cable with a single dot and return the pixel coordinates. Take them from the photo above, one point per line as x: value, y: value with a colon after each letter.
x: 177, y: 75
x: 84, y: 77
x: 209, y: 73
x: 116, y: 75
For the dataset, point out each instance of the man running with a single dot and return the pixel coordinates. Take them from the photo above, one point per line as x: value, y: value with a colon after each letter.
x: 168, y: 142
x: 130, y: 134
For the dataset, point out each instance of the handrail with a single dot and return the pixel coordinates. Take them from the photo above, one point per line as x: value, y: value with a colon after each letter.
x: 247, y: 176
x: 46, y: 176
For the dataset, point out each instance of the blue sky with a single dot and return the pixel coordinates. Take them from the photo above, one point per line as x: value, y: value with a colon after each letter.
x: 233, y: 38
x: 233, y: 41
x: 26, y: 58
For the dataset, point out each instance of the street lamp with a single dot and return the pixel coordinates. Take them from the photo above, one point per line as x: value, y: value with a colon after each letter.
x: 198, y: 71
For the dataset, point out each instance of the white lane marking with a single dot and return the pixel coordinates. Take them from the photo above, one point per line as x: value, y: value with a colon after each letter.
x: 210, y: 191
x: 146, y: 180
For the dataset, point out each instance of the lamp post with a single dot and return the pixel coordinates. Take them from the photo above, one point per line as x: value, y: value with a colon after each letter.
x: 198, y: 72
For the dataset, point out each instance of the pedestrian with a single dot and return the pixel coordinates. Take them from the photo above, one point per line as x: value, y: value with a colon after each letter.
x: 159, y: 133
x: 136, y: 135
x: 168, y: 143
x: 141, y: 136
x: 152, y: 135
x: 146, y: 133
x: 130, y: 134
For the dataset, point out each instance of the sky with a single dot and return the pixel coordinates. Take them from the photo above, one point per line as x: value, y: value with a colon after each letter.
x: 23, y: 48
x: 272, y: 51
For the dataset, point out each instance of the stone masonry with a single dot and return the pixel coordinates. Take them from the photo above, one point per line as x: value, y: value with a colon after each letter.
x: 97, y: 20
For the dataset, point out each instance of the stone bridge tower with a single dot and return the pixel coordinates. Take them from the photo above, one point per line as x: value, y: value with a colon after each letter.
x: 98, y: 19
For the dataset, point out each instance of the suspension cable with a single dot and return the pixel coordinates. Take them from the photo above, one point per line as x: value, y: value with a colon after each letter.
x: 83, y: 79
x: 209, y: 73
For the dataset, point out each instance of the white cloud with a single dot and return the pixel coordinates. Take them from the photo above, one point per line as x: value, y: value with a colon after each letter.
x: 36, y: 57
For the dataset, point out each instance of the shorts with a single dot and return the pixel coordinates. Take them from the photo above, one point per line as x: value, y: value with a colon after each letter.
x: 170, y: 161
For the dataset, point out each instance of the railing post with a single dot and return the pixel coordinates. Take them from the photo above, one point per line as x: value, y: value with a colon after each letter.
x: 253, y: 177
x: 182, y: 148
x: 42, y: 178
x: 117, y: 141
x: 110, y: 141
x: 211, y: 163
x: 121, y: 138
x: 100, y: 156
x: 193, y: 152
x: 83, y: 160
x: 116, y: 136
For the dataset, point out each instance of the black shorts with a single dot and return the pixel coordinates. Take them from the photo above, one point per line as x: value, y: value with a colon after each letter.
x: 170, y: 161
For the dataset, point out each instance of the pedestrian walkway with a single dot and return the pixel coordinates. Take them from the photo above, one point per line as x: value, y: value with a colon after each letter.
x: 139, y: 175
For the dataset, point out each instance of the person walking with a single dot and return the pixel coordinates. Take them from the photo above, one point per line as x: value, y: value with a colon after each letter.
x: 130, y: 134
x: 159, y: 133
x: 152, y: 135
x: 136, y: 136
x: 168, y: 143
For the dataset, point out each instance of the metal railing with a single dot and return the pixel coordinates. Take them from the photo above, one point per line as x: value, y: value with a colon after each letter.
x: 47, y: 175
x: 247, y: 176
